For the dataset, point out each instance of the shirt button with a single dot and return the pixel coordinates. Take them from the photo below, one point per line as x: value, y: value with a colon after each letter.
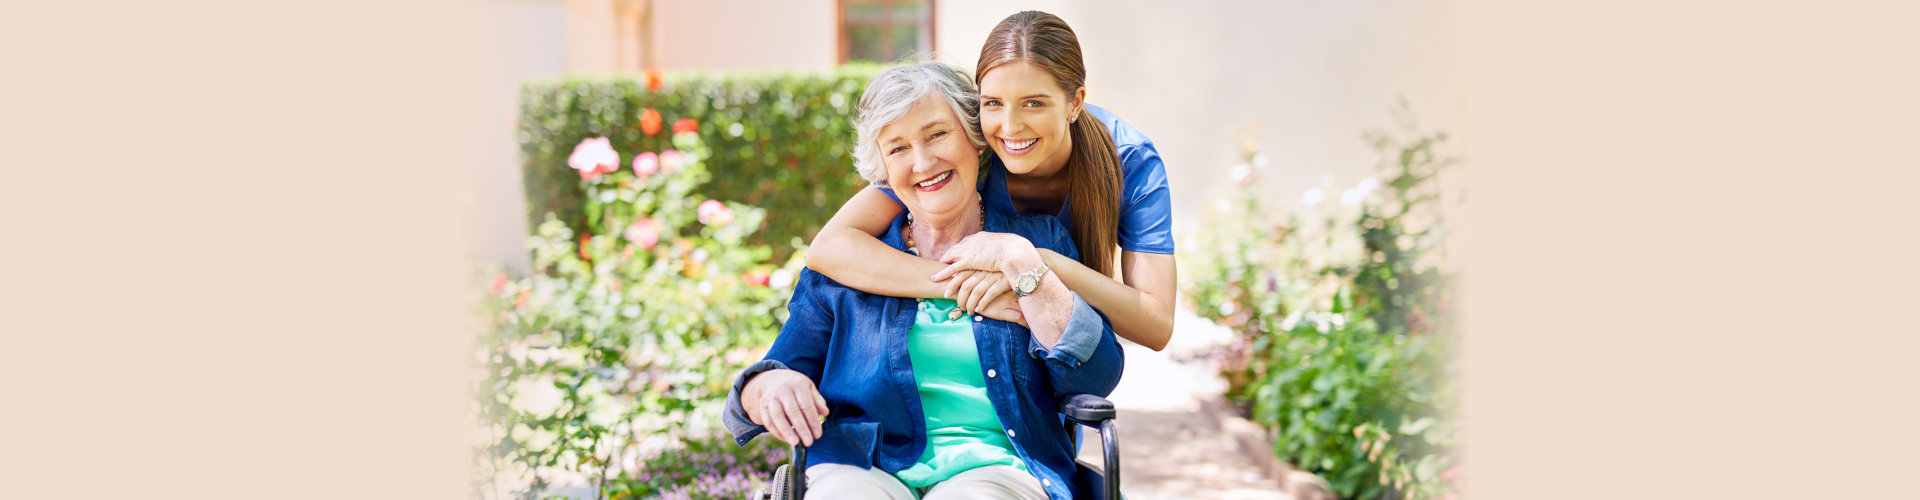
x: 1009, y: 432
x: 976, y: 318
x: 1046, y: 482
x: 989, y: 373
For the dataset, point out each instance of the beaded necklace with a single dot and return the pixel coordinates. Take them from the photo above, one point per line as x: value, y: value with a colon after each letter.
x: 956, y: 313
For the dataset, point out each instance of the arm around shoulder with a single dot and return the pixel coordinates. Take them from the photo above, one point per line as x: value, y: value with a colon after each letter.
x: 848, y: 249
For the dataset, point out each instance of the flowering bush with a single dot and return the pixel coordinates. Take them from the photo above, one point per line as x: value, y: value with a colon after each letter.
x: 1343, y: 345
x: 784, y: 140
x: 608, y: 365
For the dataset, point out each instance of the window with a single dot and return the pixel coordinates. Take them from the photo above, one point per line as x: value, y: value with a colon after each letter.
x: 883, y: 31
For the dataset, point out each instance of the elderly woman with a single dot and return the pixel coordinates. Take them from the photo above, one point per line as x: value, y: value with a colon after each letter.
x: 921, y: 399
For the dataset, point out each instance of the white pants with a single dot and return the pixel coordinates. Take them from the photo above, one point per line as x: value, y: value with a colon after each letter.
x: 837, y: 481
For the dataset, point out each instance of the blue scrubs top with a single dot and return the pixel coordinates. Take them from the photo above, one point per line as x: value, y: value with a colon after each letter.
x: 1146, y: 204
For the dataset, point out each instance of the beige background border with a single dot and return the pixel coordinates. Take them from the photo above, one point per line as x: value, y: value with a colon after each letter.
x: 1690, y: 260
x: 233, y: 257
x: 233, y: 253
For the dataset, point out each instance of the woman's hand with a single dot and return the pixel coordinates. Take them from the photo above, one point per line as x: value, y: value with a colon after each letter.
x: 973, y: 290
x: 1006, y: 308
x: 993, y: 252
x: 787, y: 404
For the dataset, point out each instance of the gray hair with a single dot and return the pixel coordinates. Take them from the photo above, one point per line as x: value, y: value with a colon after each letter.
x: 893, y: 92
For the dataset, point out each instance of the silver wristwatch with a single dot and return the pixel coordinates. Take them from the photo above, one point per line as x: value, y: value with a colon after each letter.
x: 1025, y: 285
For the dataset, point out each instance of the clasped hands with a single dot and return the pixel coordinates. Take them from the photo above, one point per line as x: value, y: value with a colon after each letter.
x: 980, y: 272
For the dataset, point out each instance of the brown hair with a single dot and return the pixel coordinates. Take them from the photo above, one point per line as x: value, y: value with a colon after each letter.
x: 1093, y: 168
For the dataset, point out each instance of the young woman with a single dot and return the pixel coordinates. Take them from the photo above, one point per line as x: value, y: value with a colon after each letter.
x: 1054, y: 154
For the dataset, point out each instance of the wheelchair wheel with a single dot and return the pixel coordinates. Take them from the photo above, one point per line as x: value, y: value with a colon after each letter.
x: 782, y: 489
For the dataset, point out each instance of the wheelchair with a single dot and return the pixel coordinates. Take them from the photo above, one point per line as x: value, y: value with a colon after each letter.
x: 1094, y: 412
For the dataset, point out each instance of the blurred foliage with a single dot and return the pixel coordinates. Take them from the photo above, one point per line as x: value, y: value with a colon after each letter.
x: 782, y: 142
x: 610, y: 362
x: 711, y: 468
x: 1343, y: 345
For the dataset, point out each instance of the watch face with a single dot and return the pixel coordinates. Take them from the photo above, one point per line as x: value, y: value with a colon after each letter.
x: 1025, y: 284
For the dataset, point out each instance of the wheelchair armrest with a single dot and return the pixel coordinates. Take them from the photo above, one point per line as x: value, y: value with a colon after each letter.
x: 1087, y: 409
x: 1096, y: 412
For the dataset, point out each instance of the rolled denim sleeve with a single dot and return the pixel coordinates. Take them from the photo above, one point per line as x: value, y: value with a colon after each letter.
x: 1079, y: 341
x: 1087, y: 359
x: 735, y: 419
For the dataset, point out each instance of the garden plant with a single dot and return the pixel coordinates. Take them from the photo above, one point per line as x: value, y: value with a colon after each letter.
x: 608, y: 364
x: 1344, y: 341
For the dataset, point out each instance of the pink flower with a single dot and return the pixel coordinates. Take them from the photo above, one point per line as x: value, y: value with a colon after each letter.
x: 685, y: 125
x: 1452, y: 474
x: 645, y: 233
x: 670, y: 161
x: 757, y: 277
x: 715, y: 213
x: 649, y: 121
x: 594, y: 156
x: 645, y: 164
x: 499, y: 283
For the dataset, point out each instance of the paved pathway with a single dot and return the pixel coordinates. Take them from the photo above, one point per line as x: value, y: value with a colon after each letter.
x: 1179, y: 439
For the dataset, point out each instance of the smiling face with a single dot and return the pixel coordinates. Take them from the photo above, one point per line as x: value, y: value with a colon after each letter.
x: 1023, y: 113
x: 930, y: 163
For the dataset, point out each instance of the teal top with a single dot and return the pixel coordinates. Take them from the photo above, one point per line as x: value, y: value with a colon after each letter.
x: 963, y: 431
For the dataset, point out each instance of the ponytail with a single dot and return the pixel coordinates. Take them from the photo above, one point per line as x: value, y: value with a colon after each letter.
x: 1094, y: 193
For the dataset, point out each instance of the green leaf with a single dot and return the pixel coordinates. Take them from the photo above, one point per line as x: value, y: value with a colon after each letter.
x: 1417, y: 426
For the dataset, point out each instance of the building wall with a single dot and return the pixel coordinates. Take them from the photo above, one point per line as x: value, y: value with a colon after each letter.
x: 746, y: 34
x: 520, y: 39
x: 588, y: 28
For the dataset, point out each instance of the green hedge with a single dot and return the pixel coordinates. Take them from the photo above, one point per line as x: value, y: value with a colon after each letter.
x: 782, y: 142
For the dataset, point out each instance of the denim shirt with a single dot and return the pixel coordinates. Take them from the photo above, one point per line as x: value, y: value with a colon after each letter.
x: 853, y: 345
